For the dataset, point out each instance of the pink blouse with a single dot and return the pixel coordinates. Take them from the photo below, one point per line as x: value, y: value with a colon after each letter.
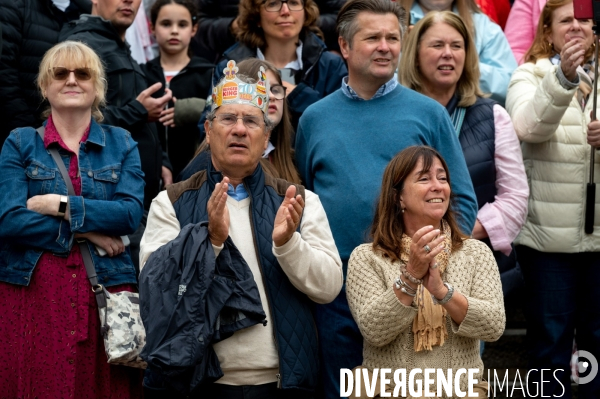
x: 504, y: 218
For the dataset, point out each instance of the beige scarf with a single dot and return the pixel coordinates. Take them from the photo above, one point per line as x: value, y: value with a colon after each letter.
x: 429, y: 327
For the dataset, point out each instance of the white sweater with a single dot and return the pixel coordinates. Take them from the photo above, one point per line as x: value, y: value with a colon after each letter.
x: 310, y: 260
x: 553, y: 128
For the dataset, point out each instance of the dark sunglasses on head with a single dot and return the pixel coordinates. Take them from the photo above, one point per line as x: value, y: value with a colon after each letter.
x: 62, y: 73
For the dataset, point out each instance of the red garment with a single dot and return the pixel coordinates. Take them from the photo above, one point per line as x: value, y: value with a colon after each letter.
x: 496, y: 10
x: 50, y: 343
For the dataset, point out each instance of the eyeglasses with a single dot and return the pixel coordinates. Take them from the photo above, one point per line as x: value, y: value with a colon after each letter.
x: 278, y: 91
x: 251, y: 122
x: 62, y: 73
x: 275, y: 5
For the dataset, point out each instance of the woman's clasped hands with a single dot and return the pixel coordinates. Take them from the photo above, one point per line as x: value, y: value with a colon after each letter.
x: 427, y: 242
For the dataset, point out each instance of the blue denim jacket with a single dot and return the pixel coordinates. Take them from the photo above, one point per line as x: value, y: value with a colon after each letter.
x: 111, y: 201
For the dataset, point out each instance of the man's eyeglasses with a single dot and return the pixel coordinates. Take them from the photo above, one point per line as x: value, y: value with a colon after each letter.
x: 278, y: 91
x: 275, y: 5
x: 62, y: 73
x: 251, y: 122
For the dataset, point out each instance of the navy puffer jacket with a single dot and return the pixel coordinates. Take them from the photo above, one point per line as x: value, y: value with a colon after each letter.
x: 291, y: 310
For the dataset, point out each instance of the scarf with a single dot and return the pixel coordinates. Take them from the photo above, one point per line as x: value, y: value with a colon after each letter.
x: 429, y: 326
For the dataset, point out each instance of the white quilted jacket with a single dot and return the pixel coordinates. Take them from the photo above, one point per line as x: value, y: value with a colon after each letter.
x: 553, y: 129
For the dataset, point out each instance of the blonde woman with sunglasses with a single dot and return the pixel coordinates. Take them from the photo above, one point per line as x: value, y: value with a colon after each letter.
x: 50, y: 338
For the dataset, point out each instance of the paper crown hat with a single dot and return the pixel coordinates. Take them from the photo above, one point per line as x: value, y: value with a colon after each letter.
x: 232, y: 90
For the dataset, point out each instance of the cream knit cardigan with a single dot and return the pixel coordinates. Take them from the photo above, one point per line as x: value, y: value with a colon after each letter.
x: 386, y: 323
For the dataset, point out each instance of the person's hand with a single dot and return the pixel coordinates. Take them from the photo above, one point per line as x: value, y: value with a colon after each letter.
x: 167, y: 176
x: 434, y: 283
x: 593, y: 133
x: 571, y: 56
x: 218, y: 214
x: 288, y: 217
x: 289, y: 87
x: 112, y: 245
x: 46, y: 204
x: 154, y: 106
x: 167, y: 116
x: 420, y: 259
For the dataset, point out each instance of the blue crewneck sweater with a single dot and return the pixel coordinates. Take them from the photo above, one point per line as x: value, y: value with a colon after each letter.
x: 343, y: 146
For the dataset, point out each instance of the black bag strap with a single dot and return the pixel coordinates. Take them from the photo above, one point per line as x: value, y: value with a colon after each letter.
x: 99, y: 290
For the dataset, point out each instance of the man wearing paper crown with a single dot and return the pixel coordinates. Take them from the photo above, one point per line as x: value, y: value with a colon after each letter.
x: 282, y: 233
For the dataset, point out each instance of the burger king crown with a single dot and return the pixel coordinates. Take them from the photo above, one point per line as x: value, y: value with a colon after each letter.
x: 232, y: 90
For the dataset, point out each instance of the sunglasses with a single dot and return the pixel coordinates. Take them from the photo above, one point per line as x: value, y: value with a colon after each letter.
x: 62, y: 73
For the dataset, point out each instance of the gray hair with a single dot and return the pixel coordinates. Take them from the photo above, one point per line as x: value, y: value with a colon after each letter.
x: 346, y: 20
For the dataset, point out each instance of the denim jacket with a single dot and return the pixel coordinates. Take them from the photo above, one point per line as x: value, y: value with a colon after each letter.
x: 111, y: 201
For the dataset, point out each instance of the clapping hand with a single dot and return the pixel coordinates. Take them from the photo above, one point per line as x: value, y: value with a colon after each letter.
x: 427, y: 242
x: 218, y: 214
x: 288, y: 217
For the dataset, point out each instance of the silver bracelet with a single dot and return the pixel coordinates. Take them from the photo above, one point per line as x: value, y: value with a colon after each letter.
x: 445, y: 299
x: 402, y: 286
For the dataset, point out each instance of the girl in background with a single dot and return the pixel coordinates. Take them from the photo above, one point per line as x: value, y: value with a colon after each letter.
x: 174, y: 23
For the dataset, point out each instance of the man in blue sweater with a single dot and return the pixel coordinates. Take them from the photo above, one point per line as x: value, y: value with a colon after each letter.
x: 344, y: 143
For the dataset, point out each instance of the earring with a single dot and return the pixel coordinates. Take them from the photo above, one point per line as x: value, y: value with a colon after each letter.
x: 402, y: 209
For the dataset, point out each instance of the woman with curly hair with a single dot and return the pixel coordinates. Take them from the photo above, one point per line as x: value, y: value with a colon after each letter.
x: 286, y: 34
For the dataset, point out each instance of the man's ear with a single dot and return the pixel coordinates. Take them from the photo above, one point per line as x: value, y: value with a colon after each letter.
x: 344, y: 47
x: 207, y: 130
x: 267, y: 137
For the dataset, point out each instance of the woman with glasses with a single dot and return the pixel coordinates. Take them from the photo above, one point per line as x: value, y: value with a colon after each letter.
x: 50, y: 342
x: 278, y: 159
x: 285, y: 33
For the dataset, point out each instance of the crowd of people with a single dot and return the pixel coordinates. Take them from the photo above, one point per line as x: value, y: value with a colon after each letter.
x: 340, y: 185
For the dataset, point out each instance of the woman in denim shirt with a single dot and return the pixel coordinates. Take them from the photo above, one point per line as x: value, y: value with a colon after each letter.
x: 50, y: 343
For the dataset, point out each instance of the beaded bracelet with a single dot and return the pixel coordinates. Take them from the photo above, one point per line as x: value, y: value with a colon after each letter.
x: 409, y: 276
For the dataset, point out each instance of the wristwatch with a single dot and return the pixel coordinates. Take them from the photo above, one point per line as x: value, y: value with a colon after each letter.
x: 445, y: 299
x: 62, y: 207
